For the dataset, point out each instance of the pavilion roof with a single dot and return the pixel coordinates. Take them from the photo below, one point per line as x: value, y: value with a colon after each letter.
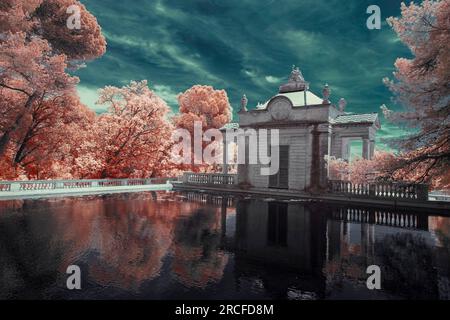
x: 297, y: 98
x: 356, y: 118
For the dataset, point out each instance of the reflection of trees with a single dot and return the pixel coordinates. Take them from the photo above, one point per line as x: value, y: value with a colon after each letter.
x: 119, y: 241
x: 406, y: 263
x: 441, y: 227
x: 407, y: 266
x: 130, y: 248
x: 348, y: 265
x: 28, y: 252
x: 197, y: 257
x: 127, y: 237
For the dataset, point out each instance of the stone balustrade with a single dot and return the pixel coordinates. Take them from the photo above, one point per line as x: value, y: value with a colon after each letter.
x: 209, y: 178
x: 382, y: 190
x: 17, y: 186
x: 374, y: 190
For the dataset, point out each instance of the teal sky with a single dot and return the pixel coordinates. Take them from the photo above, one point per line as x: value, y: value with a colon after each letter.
x: 246, y: 46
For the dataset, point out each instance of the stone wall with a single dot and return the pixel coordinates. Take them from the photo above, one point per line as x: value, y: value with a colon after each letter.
x: 303, y: 156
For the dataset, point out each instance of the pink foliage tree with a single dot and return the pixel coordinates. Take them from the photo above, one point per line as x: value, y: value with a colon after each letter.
x: 206, y: 105
x: 46, y: 132
x: 134, y: 136
x: 362, y: 170
x: 31, y: 74
x: 61, y: 144
x: 47, y: 20
x: 36, y: 48
x: 422, y: 85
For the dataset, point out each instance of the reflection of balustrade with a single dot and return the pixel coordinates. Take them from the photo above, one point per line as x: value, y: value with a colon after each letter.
x: 386, y: 190
x: 209, y: 178
x: 396, y: 219
x: 36, y: 185
x: 209, y: 198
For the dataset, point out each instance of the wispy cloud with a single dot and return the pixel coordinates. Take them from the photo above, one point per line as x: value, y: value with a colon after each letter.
x: 89, y: 97
x: 245, y: 46
x: 167, y: 94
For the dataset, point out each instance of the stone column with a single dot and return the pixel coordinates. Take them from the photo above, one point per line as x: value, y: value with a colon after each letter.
x: 225, y: 154
x: 345, y: 149
x: 315, y: 176
x: 243, y: 168
x: 223, y: 213
x: 324, y: 138
x: 372, y: 149
x: 366, y: 149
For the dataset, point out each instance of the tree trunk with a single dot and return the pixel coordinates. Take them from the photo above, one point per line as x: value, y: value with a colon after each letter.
x: 104, y: 173
x: 4, y: 140
x: 19, y: 156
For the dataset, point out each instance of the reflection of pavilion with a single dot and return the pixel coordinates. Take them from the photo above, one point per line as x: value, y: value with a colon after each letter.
x: 284, y: 234
x: 286, y: 241
x: 312, y: 250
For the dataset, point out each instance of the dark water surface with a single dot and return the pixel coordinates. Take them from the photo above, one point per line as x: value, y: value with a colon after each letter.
x: 195, y: 246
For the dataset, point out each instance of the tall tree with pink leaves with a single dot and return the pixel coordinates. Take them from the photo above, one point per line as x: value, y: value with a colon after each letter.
x: 36, y: 49
x: 205, y: 105
x: 422, y: 86
x: 134, y: 136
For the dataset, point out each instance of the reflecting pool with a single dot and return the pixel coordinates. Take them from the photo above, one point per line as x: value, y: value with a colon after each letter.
x: 199, y: 246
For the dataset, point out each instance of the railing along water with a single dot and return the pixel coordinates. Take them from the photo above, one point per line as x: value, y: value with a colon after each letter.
x: 209, y: 178
x: 17, y: 186
x: 384, y: 190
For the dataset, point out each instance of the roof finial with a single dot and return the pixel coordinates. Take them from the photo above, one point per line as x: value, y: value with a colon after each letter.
x: 326, y: 92
x: 342, y: 104
x: 244, y: 102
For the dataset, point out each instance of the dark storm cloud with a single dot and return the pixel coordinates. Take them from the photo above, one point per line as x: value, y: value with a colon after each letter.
x: 245, y: 46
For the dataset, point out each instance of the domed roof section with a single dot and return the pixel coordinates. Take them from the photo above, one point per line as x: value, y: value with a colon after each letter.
x: 297, y: 99
x: 296, y: 90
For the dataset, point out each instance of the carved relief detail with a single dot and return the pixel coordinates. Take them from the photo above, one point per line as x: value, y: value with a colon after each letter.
x: 280, y: 108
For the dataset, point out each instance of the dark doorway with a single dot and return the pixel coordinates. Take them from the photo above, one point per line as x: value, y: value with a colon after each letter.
x: 280, y: 180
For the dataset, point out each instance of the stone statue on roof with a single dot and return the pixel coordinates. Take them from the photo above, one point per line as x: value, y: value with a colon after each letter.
x: 244, y: 102
x: 296, y: 82
x: 296, y: 75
